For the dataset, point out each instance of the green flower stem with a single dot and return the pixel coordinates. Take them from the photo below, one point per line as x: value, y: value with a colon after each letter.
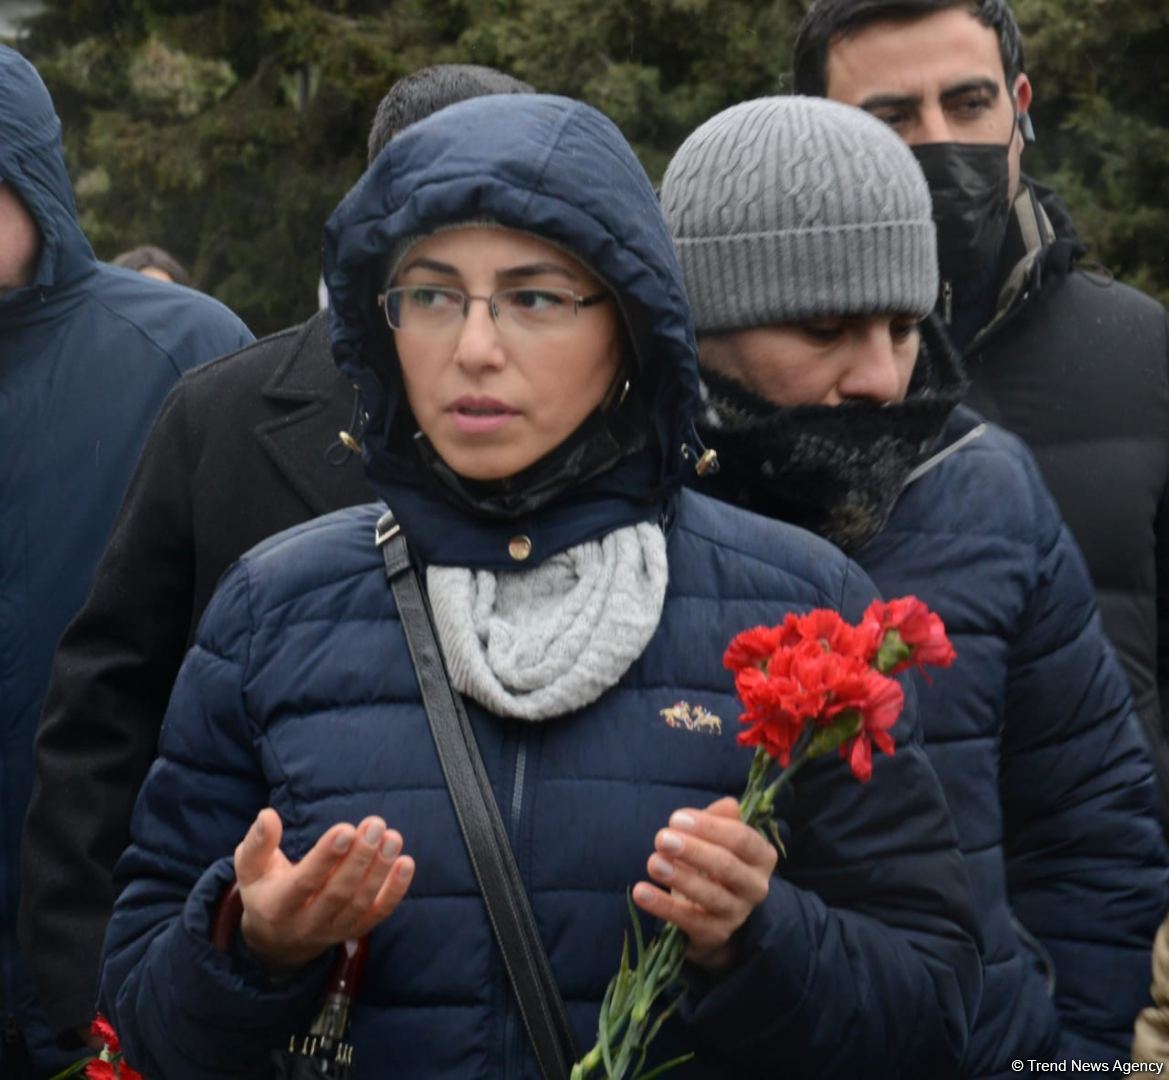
x: 74, y: 1069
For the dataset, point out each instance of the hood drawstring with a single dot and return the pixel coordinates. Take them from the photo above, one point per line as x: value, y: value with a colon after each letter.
x: 348, y: 442
x: 694, y: 449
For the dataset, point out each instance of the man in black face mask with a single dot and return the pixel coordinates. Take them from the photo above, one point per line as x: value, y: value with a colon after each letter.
x: 1071, y: 361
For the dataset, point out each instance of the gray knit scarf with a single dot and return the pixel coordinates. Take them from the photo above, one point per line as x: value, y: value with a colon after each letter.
x: 543, y: 642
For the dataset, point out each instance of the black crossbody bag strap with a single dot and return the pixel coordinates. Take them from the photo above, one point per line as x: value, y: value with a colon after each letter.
x: 492, y: 858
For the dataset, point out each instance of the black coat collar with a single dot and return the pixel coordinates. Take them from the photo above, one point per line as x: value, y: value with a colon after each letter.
x: 303, y: 442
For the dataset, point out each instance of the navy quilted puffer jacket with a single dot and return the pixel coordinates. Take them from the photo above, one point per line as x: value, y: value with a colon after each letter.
x: 1034, y: 736
x: 88, y: 352
x: 300, y: 694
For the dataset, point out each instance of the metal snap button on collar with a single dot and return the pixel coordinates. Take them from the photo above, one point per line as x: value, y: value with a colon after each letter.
x: 519, y: 547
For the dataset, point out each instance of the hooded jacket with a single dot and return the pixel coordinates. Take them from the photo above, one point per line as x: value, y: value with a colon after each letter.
x: 87, y: 353
x: 1036, y: 740
x: 1077, y: 365
x: 299, y: 693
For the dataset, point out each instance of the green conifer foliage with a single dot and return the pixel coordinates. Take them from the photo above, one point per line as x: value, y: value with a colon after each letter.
x: 227, y: 131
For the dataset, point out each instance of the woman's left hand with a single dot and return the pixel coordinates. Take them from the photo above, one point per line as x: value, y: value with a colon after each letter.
x: 717, y: 870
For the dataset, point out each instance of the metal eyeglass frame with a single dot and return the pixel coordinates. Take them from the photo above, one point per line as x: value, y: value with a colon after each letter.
x: 578, y: 301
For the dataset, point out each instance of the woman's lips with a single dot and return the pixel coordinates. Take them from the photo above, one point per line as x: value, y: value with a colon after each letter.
x: 476, y: 416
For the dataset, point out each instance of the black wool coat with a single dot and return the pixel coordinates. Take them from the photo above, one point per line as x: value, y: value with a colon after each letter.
x: 244, y: 447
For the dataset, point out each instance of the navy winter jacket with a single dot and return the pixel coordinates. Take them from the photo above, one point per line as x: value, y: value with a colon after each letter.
x: 1035, y: 738
x: 300, y: 694
x: 87, y: 354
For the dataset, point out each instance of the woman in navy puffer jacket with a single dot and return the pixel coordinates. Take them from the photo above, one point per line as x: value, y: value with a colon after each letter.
x: 531, y: 444
x: 839, y: 411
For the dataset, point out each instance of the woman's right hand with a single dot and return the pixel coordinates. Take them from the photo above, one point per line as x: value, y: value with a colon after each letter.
x: 350, y: 881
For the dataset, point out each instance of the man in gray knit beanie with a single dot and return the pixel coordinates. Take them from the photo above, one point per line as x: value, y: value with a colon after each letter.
x: 831, y: 394
x: 785, y: 209
x: 805, y: 234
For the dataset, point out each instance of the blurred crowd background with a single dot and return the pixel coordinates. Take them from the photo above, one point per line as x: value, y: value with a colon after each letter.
x: 226, y: 131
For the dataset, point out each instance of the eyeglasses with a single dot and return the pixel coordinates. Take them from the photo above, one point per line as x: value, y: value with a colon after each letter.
x: 432, y: 309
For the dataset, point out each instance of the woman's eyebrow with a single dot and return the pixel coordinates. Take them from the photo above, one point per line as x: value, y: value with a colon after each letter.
x: 535, y: 269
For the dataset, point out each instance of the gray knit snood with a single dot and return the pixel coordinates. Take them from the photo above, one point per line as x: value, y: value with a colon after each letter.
x: 790, y: 208
x: 543, y: 642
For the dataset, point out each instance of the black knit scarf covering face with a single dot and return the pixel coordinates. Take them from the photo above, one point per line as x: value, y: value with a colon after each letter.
x: 834, y: 470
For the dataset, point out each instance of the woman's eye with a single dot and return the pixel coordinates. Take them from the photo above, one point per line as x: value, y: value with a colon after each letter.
x: 903, y: 331
x: 533, y: 300
x: 429, y: 298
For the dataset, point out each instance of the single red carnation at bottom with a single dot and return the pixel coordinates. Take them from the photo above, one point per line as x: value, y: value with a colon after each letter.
x: 104, y: 1030
x: 100, y: 1070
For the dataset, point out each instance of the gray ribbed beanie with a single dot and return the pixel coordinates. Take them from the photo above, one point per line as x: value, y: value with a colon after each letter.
x: 789, y: 208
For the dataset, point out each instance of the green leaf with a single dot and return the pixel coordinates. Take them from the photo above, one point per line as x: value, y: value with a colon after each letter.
x: 673, y: 1063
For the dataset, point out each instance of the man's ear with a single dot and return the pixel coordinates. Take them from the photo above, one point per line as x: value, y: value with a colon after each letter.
x: 1022, y: 93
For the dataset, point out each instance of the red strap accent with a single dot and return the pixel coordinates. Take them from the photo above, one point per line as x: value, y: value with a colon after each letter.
x: 228, y: 913
x: 348, y: 965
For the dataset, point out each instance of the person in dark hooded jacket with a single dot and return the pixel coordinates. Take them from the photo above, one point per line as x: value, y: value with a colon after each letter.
x: 833, y: 406
x: 505, y: 294
x: 87, y: 354
x: 243, y: 448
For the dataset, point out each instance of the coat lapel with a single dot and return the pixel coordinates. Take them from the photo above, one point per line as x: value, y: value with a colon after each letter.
x: 302, y: 442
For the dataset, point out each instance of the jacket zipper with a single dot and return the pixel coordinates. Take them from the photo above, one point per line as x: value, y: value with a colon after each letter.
x: 947, y: 302
x: 517, y: 792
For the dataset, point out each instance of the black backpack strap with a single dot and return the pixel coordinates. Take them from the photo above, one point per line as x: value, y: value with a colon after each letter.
x: 492, y: 858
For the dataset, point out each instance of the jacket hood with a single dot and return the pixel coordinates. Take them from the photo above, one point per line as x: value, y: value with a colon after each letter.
x: 33, y: 162
x: 553, y: 168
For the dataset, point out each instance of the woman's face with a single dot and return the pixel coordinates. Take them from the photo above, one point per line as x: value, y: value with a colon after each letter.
x: 822, y: 361
x: 494, y: 396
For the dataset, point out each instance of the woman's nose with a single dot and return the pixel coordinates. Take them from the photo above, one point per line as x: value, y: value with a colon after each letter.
x: 479, y: 343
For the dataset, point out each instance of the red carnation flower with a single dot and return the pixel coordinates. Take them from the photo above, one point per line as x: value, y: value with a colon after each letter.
x: 920, y: 630
x: 834, y: 634
x: 753, y: 648
x: 104, y: 1030
x: 770, y: 720
x: 100, y: 1070
x: 881, y: 705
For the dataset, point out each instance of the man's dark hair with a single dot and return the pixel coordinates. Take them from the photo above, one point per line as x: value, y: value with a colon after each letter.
x: 148, y: 256
x: 414, y: 97
x: 827, y: 21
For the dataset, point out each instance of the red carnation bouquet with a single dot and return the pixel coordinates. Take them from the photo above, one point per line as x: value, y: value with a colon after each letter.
x: 109, y: 1064
x: 812, y: 685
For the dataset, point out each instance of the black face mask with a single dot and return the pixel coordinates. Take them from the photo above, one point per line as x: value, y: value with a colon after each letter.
x: 970, y: 187
x: 836, y: 470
